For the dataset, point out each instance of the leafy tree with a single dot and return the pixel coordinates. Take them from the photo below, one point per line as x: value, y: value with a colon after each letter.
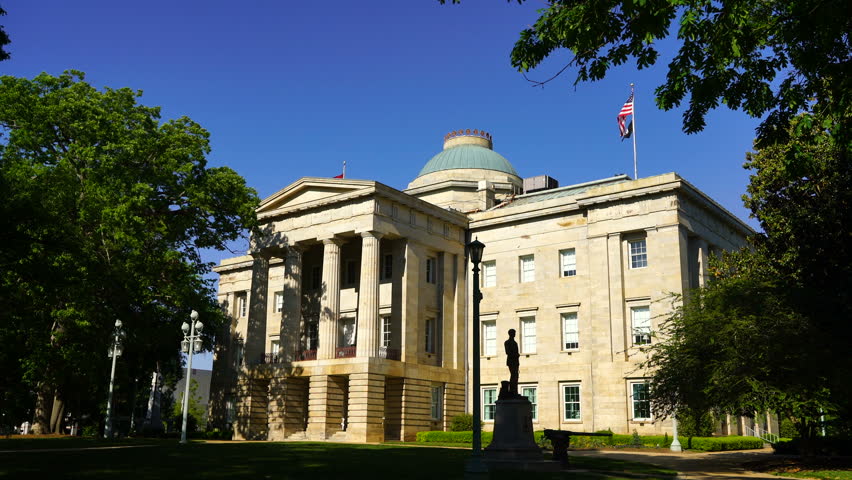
x: 770, y: 331
x: 196, y: 411
x: 771, y: 58
x: 104, y: 211
x: 4, y: 39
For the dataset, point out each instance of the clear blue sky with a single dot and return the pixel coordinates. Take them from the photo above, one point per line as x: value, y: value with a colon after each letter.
x: 294, y: 88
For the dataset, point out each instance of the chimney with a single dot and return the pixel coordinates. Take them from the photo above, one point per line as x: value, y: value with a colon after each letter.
x: 485, y: 191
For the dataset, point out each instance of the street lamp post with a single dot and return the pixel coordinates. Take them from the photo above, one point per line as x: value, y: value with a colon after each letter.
x: 115, y: 351
x: 475, y: 465
x: 191, y: 343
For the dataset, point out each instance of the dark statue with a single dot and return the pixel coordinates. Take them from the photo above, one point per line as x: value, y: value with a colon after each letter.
x: 512, y: 357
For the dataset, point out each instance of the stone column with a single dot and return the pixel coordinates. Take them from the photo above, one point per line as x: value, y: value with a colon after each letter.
x: 330, y: 302
x: 255, y: 342
x: 368, y: 296
x: 703, y: 262
x: 292, y: 313
x: 366, y: 407
x: 416, y: 405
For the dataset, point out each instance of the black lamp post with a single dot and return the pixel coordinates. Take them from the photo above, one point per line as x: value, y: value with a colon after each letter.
x: 475, y: 465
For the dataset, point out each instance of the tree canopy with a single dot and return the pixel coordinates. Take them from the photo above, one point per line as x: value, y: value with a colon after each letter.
x: 104, y: 211
x: 771, y: 59
x: 4, y: 39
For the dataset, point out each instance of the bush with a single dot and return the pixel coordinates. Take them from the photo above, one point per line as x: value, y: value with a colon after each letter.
x: 452, y: 437
x: 827, y: 446
x: 787, y: 429
x: 695, y: 424
x: 90, y: 431
x: 463, y: 423
x: 218, y: 434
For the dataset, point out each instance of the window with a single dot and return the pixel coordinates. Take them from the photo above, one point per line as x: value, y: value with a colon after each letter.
x: 412, y: 217
x: 570, y: 331
x: 431, y: 267
x: 430, y: 335
x: 446, y: 230
x: 527, y: 268
x: 316, y: 277
x: 387, y: 267
x: 386, y: 331
x: 346, y: 336
x: 639, y: 398
x: 568, y: 263
x: 242, y: 304
x: 231, y: 409
x: 238, y: 354
x: 638, y: 253
x: 274, y: 347
x: 279, y: 302
x: 437, y: 402
x: 571, y: 402
x: 531, y: 393
x: 489, y: 404
x: 489, y: 338
x: 351, y: 272
x: 312, y: 334
x: 394, y: 211
x: 641, y: 319
x: 489, y: 273
x: 528, y: 339
x: 428, y: 224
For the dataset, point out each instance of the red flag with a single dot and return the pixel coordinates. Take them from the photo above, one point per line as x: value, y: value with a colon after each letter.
x: 626, y: 110
x: 339, y: 176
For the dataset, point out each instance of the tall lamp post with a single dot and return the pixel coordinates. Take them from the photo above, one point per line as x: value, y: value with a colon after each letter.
x: 191, y: 343
x: 475, y: 465
x: 115, y: 350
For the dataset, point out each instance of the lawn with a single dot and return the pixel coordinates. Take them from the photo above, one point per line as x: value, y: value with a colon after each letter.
x: 234, y: 461
x: 820, y: 474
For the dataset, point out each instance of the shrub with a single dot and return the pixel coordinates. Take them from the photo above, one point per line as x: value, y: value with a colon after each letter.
x: 218, y: 434
x: 695, y: 424
x: 827, y: 446
x: 462, y: 423
x: 452, y: 437
x: 636, y: 441
x: 90, y: 431
x: 787, y: 429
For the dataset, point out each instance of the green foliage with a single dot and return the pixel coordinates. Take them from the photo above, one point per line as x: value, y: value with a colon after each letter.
x: 636, y: 440
x: 452, y: 437
x: 787, y: 429
x: 462, y: 422
x: 4, y: 40
x: 105, y: 209
x: 823, y: 446
x: 695, y: 423
x: 771, y: 59
x: 196, y: 411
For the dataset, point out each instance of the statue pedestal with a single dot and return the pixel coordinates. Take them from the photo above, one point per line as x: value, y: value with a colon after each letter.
x: 513, y: 446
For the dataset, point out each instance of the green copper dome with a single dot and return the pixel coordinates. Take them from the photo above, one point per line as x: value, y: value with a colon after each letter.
x: 468, y: 156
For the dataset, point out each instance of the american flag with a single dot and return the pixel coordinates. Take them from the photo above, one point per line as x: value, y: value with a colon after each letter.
x: 626, y: 110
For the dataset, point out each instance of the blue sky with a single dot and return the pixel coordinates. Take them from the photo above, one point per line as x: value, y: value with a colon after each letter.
x: 291, y: 89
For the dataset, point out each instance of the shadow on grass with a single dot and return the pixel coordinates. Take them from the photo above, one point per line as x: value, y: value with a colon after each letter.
x: 255, y: 461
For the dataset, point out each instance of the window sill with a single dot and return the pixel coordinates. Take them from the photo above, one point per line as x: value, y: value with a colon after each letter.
x: 569, y: 352
x: 528, y: 354
x: 641, y: 421
x: 488, y: 357
x: 573, y: 421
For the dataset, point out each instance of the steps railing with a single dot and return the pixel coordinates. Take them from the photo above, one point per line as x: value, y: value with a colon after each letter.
x: 762, y: 434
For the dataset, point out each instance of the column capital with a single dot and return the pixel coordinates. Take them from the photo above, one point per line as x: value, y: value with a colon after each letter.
x: 372, y: 233
x: 332, y: 240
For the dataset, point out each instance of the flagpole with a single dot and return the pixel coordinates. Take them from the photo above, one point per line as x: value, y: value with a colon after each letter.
x: 633, y: 121
x: 344, y: 162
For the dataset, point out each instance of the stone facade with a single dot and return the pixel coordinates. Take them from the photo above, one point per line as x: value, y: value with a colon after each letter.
x: 351, y: 316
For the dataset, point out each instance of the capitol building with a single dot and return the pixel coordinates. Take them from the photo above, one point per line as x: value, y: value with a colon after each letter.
x: 351, y: 315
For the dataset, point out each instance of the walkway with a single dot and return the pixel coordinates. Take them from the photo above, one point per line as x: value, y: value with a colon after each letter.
x: 693, y: 465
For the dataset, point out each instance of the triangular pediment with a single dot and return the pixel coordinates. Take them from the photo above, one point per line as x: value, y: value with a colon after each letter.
x: 308, y: 190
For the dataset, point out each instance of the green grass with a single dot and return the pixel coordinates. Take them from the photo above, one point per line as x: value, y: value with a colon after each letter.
x: 34, y: 443
x: 821, y: 474
x: 256, y: 461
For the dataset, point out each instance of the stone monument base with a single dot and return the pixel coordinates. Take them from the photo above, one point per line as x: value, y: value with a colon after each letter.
x: 513, y: 446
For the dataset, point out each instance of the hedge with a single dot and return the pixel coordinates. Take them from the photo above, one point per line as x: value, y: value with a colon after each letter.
x: 707, y: 444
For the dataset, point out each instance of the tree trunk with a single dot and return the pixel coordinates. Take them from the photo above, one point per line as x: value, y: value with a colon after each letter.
x: 57, y: 414
x: 41, y: 421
